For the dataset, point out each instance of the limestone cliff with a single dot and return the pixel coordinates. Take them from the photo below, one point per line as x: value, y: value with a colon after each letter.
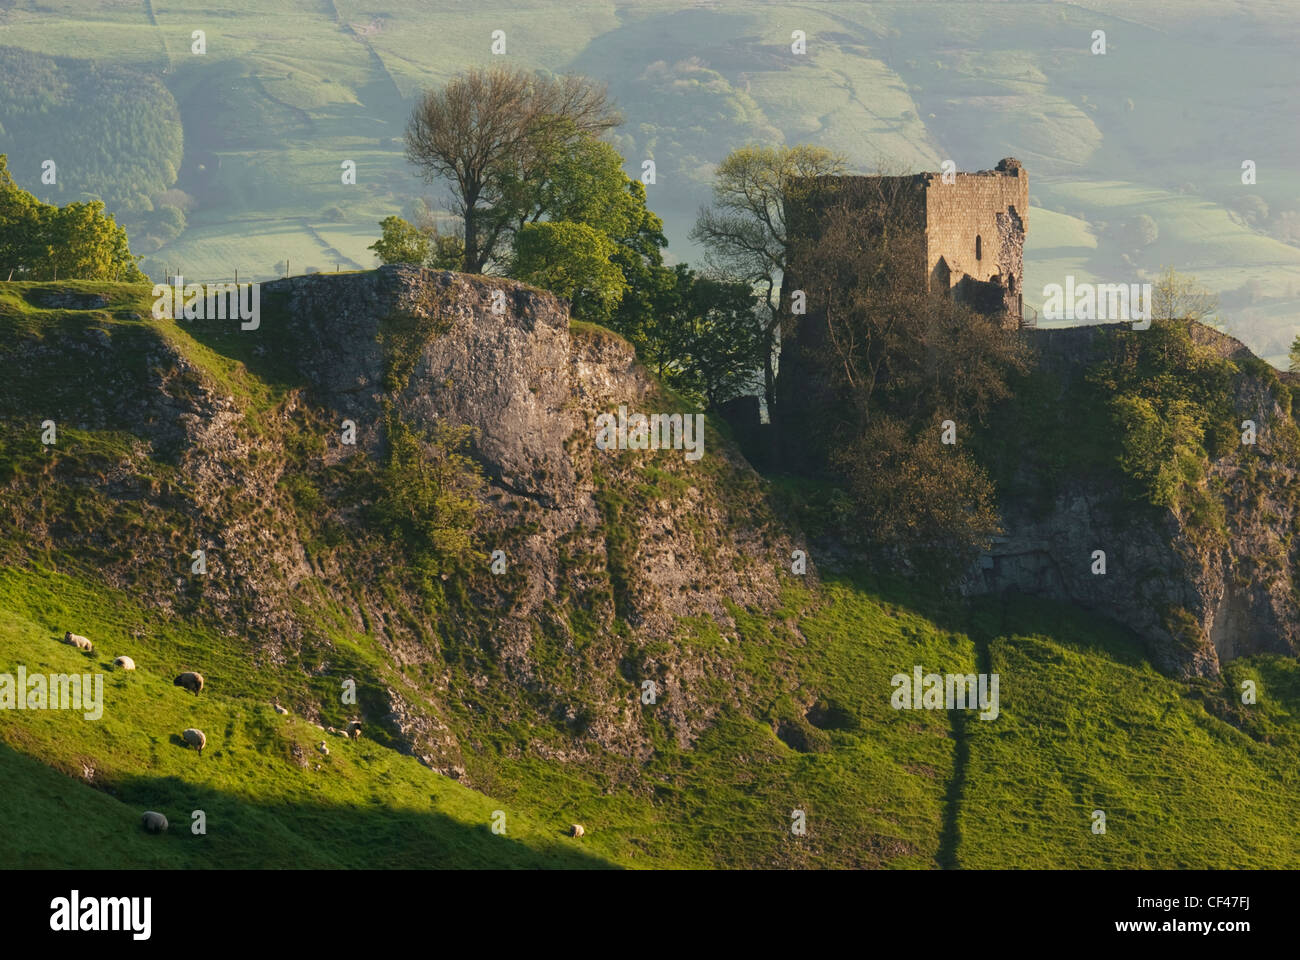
x: 1198, y: 591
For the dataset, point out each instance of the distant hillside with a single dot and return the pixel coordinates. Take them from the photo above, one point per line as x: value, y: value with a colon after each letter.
x: 1135, y: 156
x: 524, y: 691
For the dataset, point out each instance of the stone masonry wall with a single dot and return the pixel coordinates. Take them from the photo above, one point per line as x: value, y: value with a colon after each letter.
x: 957, y: 213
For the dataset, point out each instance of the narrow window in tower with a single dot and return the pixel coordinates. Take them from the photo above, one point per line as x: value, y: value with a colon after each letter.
x: 979, y: 249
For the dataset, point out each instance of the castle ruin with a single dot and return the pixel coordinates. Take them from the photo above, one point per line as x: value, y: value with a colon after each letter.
x: 967, y: 231
x: 973, y: 226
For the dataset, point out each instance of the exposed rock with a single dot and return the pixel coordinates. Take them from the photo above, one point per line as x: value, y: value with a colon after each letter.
x: 1195, y: 601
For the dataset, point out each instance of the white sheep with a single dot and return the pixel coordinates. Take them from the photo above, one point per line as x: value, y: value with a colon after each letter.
x: 78, y: 641
x: 192, y: 682
x: 153, y: 822
x: 323, y: 748
x: 124, y: 663
x: 279, y: 709
x: 575, y: 830
x: 195, y: 738
x: 354, y: 730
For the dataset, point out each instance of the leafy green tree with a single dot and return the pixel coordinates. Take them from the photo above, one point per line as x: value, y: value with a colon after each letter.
x: 577, y: 177
x: 703, y: 341
x: 490, y: 134
x: 403, y: 242
x: 581, y: 182
x: 20, y: 218
x: 572, y: 260
x: 1295, y: 355
x: 40, y: 241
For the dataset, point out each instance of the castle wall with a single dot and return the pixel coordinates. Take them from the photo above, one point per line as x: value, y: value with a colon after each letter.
x: 993, y: 206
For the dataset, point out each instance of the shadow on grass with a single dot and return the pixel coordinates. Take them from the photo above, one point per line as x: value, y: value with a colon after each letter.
x: 295, y: 833
x: 985, y: 620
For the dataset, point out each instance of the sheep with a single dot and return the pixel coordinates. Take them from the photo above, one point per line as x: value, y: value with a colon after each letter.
x: 354, y: 730
x: 575, y: 830
x: 78, y: 641
x: 124, y: 663
x: 279, y: 709
x: 195, y: 738
x: 153, y: 822
x: 323, y: 748
x: 192, y: 682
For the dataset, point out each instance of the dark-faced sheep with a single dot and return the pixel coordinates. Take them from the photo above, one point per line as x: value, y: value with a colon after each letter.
x: 78, y: 641
x: 153, y: 822
x: 193, y: 682
x: 124, y: 663
x: 195, y: 738
x: 354, y: 730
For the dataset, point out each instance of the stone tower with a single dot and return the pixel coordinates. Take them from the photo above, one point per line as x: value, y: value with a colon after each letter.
x: 974, y: 229
x: 975, y: 236
x: 970, y: 241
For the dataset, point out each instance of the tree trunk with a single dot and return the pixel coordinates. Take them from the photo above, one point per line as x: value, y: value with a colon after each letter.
x: 473, y: 261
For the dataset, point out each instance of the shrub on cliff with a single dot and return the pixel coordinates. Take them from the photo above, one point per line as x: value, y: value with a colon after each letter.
x: 428, y: 497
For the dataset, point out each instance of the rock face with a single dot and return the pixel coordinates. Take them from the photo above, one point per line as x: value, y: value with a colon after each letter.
x: 500, y: 358
x: 1197, y: 601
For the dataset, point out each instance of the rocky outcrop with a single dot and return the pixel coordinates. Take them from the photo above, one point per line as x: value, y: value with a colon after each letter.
x: 580, y: 527
x: 1197, y: 600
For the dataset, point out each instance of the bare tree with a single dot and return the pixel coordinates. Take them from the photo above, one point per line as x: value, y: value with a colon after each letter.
x: 487, y: 128
x: 746, y: 233
x: 1176, y: 296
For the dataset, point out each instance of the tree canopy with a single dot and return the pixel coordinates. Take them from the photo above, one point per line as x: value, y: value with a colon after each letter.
x: 41, y: 241
x: 491, y: 134
x: 746, y: 232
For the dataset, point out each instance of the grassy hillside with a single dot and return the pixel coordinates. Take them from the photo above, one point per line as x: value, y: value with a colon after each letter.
x: 799, y: 696
x: 287, y: 90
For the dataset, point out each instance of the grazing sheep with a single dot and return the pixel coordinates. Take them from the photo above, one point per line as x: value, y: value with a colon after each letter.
x: 192, y: 682
x: 124, y: 663
x: 354, y: 730
x: 279, y: 709
x: 78, y: 641
x: 323, y: 748
x: 575, y: 830
x: 153, y: 822
x: 195, y: 738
